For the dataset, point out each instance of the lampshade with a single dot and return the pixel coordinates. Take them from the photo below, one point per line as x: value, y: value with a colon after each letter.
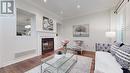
x: 110, y: 34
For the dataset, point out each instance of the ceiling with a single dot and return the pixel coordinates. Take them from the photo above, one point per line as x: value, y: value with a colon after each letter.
x: 69, y: 7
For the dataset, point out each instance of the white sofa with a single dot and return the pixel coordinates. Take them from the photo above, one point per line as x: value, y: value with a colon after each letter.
x: 106, y: 63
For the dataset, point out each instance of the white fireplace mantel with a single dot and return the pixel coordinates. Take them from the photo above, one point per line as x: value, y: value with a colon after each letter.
x: 45, y: 35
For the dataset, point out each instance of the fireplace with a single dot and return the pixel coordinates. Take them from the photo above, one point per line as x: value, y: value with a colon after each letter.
x: 47, y: 45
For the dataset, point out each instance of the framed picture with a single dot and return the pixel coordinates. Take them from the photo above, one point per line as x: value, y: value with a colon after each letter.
x: 81, y: 30
x: 48, y: 24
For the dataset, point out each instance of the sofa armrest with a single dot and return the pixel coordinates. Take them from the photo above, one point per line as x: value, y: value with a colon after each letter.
x: 103, y: 47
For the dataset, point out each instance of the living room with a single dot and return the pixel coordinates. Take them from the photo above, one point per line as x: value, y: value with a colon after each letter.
x: 82, y: 26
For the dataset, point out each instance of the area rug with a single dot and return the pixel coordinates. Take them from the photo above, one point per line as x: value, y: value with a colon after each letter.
x: 83, y: 65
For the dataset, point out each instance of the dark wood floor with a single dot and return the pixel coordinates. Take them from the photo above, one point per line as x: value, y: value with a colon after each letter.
x: 26, y: 65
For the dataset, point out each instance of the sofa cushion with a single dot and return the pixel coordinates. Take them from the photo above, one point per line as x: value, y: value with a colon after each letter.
x: 106, y: 63
x: 122, y: 56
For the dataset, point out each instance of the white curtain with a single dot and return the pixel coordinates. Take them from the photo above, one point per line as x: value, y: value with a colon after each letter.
x: 121, y: 23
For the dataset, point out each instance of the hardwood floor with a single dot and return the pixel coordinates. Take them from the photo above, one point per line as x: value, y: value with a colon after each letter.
x: 47, y: 54
x: 23, y: 66
x: 26, y: 65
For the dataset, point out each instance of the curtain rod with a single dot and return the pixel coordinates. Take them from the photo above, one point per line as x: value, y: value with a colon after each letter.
x: 119, y: 6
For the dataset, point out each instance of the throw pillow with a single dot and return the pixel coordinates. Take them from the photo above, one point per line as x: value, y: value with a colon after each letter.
x: 118, y: 44
x: 113, y: 49
x: 122, y: 56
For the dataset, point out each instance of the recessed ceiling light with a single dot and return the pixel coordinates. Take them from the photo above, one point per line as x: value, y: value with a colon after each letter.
x: 78, y: 6
x: 45, y: 1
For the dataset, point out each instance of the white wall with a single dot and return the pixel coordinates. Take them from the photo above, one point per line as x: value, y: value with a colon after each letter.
x: 12, y: 44
x: 59, y: 37
x: 8, y: 34
x: 1, y: 44
x: 98, y: 24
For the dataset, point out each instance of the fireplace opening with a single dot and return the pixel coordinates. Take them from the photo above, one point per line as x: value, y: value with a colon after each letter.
x: 47, y: 45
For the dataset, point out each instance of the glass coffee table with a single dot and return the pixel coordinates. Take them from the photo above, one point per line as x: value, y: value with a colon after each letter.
x: 59, y: 63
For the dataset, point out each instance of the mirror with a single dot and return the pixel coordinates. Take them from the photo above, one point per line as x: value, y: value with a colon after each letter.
x: 24, y: 21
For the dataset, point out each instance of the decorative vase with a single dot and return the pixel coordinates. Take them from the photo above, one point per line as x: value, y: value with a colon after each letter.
x: 65, y: 42
x: 65, y: 48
